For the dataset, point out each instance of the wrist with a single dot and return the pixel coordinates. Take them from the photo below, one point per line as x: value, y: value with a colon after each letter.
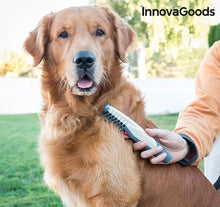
x: 186, y: 150
x: 191, y: 154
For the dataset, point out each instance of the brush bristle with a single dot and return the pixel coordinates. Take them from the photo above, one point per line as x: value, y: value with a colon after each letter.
x: 111, y: 118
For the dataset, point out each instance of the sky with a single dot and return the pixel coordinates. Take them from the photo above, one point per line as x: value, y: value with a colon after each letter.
x: 19, y: 17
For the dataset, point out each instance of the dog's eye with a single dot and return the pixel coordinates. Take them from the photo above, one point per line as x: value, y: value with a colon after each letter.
x: 63, y: 34
x: 100, y: 33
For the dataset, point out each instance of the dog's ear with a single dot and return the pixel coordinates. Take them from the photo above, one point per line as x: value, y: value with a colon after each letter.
x: 123, y: 33
x: 37, y: 42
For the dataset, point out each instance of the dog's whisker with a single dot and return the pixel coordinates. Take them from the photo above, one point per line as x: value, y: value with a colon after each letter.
x: 105, y: 79
x: 62, y: 83
x: 109, y: 72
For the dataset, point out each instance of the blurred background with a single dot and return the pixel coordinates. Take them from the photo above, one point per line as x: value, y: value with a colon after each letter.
x: 162, y: 65
x: 167, y: 47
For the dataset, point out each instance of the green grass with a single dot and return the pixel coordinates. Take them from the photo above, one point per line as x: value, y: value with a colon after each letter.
x: 21, y: 181
x: 21, y: 177
x: 165, y: 121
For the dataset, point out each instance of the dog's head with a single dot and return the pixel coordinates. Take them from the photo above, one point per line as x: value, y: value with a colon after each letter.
x: 80, y: 45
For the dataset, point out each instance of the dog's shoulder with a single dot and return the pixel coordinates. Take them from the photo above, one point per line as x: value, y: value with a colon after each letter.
x: 130, y: 101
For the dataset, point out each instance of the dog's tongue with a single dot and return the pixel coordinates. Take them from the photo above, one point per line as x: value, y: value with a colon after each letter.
x: 84, y: 83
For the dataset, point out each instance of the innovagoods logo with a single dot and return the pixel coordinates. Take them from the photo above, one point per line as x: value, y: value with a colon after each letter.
x: 183, y: 11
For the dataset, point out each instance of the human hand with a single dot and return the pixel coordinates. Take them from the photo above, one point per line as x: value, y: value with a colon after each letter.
x: 172, y: 142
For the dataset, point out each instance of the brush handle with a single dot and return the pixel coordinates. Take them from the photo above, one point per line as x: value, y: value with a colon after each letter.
x: 133, y: 129
x: 134, y: 132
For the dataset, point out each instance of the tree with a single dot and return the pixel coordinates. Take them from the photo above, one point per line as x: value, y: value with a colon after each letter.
x: 162, y: 35
x: 129, y: 11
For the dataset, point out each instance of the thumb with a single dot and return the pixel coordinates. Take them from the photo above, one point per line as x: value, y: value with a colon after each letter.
x: 159, y: 133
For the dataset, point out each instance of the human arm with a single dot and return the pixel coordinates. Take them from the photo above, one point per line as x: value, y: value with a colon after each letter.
x: 199, y: 121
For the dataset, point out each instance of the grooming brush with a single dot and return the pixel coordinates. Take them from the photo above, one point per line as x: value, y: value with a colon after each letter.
x: 133, y: 130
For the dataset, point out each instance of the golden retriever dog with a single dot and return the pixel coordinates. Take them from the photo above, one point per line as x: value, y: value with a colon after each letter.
x: 86, y: 160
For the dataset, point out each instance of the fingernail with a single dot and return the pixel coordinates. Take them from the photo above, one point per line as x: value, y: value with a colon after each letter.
x: 143, y: 144
x: 159, y: 148
x: 164, y: 155
x: 125, y: 133
x: 143, y: 154
x: 149, y: 129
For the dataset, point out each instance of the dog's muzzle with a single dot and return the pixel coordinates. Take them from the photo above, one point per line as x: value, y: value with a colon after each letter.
x: 84, y: 59
x: 84, y: 62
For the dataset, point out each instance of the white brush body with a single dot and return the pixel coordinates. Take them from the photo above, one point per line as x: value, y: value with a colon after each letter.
x: 136, y: 130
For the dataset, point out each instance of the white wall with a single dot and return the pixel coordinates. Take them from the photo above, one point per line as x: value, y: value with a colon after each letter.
x: 164, y: 96
x: 20, y: 95
x: 23, y: 95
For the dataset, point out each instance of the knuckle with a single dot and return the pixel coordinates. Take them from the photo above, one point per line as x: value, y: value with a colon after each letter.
x: 166, y: 131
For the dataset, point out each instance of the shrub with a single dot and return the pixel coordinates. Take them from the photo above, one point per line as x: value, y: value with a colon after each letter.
x: 214, y: 34
x: 15, y: 65
x: 184, y: 65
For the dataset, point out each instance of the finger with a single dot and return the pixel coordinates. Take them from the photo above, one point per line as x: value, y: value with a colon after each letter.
x: 160, y: 133
x: 151, y: 152
x: 159, y: 159
x: 139, y: 145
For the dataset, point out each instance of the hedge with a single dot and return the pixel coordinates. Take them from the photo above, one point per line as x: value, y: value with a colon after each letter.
x: 214, y: 34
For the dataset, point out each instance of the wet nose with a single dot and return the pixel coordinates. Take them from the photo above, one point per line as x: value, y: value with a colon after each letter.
x: 84, y: 59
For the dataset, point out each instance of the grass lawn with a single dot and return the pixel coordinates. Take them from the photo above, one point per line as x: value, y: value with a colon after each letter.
x: 21, y: 182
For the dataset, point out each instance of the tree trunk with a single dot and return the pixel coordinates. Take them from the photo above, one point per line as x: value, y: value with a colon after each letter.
x: 141, y: 60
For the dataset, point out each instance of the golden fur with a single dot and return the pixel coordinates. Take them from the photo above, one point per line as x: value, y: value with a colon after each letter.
x: 87, y: 161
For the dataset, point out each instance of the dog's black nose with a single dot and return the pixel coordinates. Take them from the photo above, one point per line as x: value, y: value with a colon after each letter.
x: 84, y: 59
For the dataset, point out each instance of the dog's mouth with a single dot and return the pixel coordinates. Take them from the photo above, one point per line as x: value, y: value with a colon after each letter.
x: 84, y: 86
x: 85, y: 83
